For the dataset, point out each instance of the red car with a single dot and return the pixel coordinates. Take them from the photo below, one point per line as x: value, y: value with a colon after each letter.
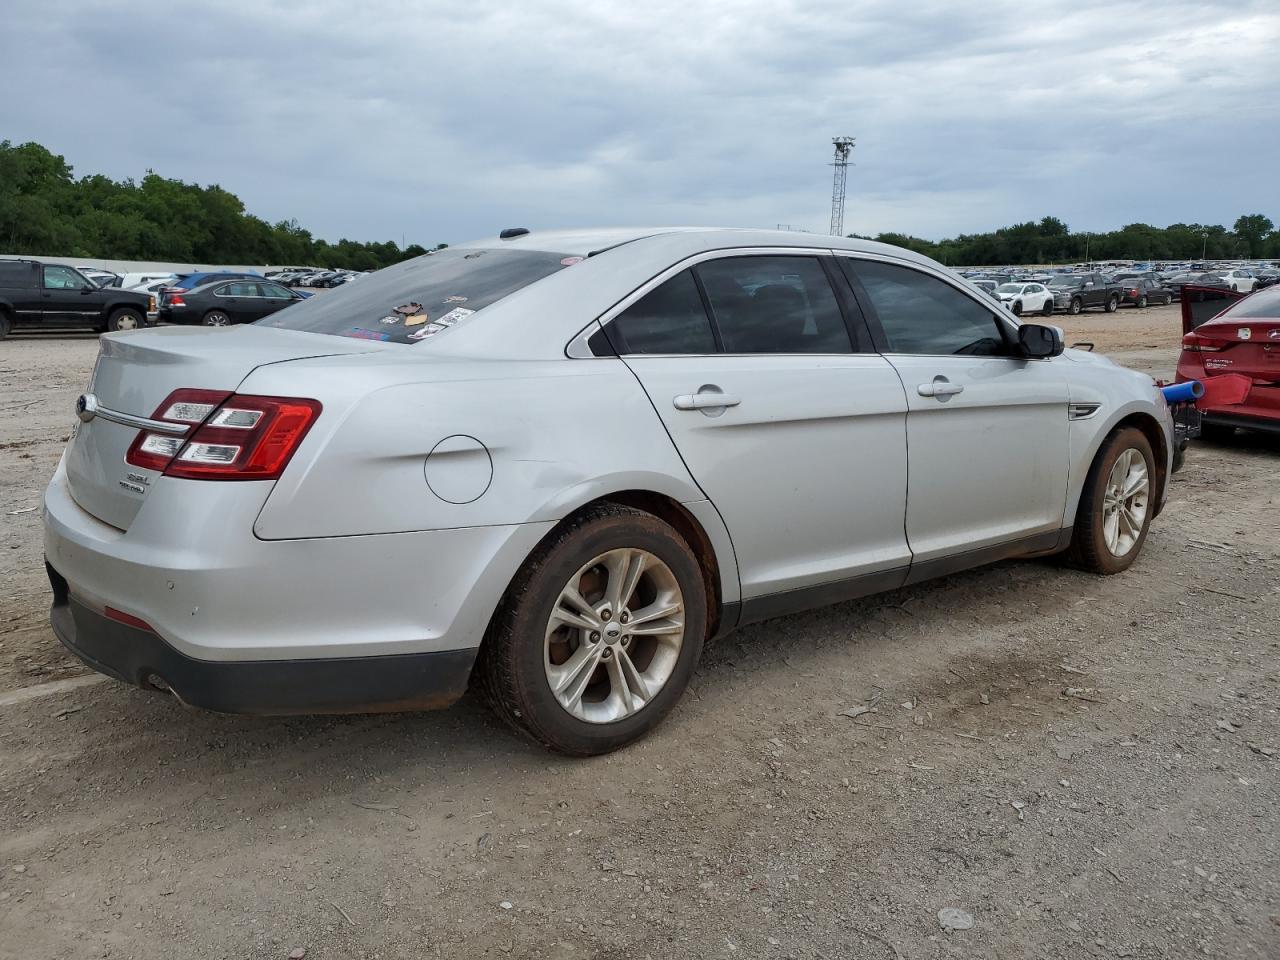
x: 1243, y: 340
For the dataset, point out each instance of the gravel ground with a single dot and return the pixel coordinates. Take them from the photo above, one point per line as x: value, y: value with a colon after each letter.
x: 1085, y: 766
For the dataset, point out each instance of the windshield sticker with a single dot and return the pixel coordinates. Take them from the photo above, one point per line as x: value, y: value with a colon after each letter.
x: 456, y: 315
x: 570, y: 261
x: 390, y: 318
x: 360, y: 333
x: 416, y: 319
x: 409, y: 309
x: 454, y: 299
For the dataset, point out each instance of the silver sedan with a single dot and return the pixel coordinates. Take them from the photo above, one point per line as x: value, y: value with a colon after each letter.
x: 556, y: 465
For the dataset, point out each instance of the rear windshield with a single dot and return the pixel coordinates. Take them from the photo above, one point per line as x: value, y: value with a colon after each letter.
x: 1260, y: 306
x: 414, y: 300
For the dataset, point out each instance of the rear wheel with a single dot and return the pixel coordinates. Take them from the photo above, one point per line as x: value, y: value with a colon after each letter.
x: 1017, y: 308
x: 1047, y: 309
x: 5, y: 325
x: 1116, y: 504
x: 599, y: 635
x: 1142, y: 301
x: 124, y: 319
x: 216, y: 318
x: 1113, y: 304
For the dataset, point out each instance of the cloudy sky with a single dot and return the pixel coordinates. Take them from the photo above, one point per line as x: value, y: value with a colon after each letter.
x: 443, y: 121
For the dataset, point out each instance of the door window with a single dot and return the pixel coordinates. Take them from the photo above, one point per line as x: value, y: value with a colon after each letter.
x: 921, y: 314
x: 275, y: 291
x: 64, y: 278
x: 239, y: 290
x: 669, y: 319
x: 774, y: 305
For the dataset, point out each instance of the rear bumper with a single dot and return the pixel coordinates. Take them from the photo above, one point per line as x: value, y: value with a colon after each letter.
x: 415, y: 681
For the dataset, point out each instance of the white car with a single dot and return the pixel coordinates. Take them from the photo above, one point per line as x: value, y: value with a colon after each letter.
x: 1026, y: 298
x: 1241, y: 281
x: 131, y: 280
x: 557, y: 464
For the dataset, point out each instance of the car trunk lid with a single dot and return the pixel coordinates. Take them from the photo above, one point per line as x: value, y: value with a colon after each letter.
x: 1249, y: 346
x: 134, y: 374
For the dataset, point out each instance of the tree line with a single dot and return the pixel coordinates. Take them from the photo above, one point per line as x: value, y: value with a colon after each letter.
x: 1050, y: 241
x: 46, y: 210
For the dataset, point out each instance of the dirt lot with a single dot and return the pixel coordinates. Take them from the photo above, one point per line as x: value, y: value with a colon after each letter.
x: 1086, y: 766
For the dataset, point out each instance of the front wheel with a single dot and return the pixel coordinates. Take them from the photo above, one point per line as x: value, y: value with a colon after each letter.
x: 1017, y: 308
x: 216, y: 318
x: 1116, y: 504
x: 124, y: 319
x: 1168, y: 299
x: 1142, y: 301
x: 598, y: 637
x: 1076, y: 305
x: 1047, y: 309
x: 1113, y: 304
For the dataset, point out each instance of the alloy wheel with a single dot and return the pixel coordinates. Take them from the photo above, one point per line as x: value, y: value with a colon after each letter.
x: 1125, y: 501
x: 217, y: 319
x: 614, y: 636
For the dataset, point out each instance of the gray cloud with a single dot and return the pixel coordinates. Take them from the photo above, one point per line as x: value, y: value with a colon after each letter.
x: 443, y: 121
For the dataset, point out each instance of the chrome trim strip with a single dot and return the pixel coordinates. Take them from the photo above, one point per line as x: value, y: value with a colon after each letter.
x: 142, y: 423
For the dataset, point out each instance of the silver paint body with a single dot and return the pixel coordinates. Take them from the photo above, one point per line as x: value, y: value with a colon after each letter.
x: 436, y: 468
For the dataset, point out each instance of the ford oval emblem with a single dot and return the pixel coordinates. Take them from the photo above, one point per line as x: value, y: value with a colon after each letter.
x: 86, y: 407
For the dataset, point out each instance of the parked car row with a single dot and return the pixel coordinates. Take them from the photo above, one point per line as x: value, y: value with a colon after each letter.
x: 314, y: 278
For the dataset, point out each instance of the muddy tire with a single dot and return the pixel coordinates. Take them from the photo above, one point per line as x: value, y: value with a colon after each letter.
x: 1113, y: 304
x: 125, y: 319
x: 1116, y: 505
x: 561, y: 666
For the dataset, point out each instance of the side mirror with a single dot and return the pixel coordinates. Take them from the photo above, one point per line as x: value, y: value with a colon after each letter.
x: 1039, y: 341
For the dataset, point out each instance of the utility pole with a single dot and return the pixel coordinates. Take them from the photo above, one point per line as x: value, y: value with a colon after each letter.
x: 844, y: 146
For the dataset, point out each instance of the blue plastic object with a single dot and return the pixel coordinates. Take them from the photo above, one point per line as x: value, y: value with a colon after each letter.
x: 1183, y: 392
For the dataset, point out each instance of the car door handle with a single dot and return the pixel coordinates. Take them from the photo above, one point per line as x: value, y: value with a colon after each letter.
x: 705, y: 400
x: 940, y: 387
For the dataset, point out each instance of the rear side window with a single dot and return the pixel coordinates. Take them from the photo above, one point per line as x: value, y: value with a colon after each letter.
x: 774, y: 305
x: 669, y: 319
x: 14, y: 274
x: 921, y: 314
x: 413, y: 301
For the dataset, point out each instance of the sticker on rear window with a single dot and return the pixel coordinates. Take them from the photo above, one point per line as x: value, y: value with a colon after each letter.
x: 456, y: 315
x: 427, y: 331
x: 570, y: 261
x: 360, y: 333
x: 454, y: 299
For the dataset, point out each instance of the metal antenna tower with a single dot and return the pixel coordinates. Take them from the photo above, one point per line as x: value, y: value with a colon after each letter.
x: 844, y: 146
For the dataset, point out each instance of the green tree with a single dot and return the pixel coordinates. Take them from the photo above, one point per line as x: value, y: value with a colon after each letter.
x: 1252, y: 230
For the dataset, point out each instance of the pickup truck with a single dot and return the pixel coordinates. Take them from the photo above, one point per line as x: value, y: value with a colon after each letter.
x: 1079, y: 291
x: 37, y: 296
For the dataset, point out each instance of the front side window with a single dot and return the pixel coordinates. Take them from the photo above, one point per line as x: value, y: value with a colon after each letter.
x: 921, y: 314
x: 774, y: 304
x: 239, y: 290
x: 64, y: 278
x: 275, y: 291
x: 669, y: 319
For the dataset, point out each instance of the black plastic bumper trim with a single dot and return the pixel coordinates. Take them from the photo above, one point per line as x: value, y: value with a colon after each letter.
x: 407, y: 681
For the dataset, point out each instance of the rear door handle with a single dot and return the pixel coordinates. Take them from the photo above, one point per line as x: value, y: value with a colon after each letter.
x: 940, y: 387
x: 707, y: 398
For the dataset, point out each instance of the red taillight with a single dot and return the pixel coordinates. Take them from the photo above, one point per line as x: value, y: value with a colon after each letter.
x: 231, y: 437
x: 1195, y: 343
x: 174, y: 300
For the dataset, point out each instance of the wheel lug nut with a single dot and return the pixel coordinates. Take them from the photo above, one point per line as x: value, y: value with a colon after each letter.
x: 625, y: 616
x: 595, y: 637
x: 625, y: 641
x: 608, y: 652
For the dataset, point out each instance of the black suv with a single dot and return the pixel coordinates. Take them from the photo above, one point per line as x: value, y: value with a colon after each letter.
x: 41, y: 296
